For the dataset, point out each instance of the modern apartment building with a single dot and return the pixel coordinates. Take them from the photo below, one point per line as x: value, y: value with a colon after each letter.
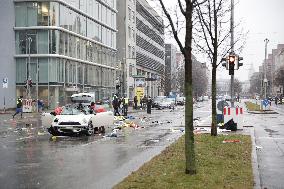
x: 64, y: 47
x: 141, y: 49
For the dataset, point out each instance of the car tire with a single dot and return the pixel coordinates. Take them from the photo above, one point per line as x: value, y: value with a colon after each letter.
x: 90, y: 129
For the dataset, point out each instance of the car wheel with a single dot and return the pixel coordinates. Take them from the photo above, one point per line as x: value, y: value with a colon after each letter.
x: 90, y: 129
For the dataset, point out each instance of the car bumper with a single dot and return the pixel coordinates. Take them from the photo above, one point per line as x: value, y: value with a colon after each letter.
x: 67, y: 130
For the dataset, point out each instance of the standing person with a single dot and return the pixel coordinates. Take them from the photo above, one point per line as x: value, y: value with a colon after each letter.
x: 125, y: 105
x: 115, y: 104
x: 19, y: 108
x: 145, y: 100
x: 276, y: 100
x: 135, y: 102
x: 149, y: 105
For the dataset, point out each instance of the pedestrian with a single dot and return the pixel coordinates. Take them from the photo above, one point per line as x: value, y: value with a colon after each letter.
x: 135, y: 102
x: 144, y: 102
x: 125, y: 106
x: 19, y: 108
x: 276, y: 100
x: 149, y: 105
x: 115, y: 104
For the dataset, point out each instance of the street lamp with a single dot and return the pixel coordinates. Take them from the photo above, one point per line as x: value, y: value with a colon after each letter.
x: 28, y: 90
x: 265, y: 62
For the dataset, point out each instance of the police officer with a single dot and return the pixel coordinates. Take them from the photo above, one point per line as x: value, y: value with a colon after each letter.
x: 19, y: 108
x: 125, y: 105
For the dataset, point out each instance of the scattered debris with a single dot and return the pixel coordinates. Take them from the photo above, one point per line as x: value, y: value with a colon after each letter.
x: 258, y: 147
x: 231, y: 141
x: 41, y: 133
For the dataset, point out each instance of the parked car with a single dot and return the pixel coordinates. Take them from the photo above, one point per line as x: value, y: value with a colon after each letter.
x: 157, y: 100
x: 180, y: 100
x: 205, y: 98
x: 199, y: 99
x: 73, y: 120
x: 167, y: 103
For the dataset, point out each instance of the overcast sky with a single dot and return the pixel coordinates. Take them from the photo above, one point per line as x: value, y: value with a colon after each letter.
x: 262, y: 19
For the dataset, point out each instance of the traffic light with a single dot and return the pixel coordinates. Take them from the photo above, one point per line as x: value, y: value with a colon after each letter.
x: 239, y: 64
x: 231, y: 62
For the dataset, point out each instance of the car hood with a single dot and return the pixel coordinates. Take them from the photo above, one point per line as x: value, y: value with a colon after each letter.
x: 81, y: 118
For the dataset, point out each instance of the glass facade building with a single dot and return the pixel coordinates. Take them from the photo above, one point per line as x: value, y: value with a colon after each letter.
x: 65, y: 47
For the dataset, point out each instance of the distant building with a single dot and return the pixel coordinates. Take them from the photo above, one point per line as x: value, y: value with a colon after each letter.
x: 141, y: 48
x: 170, y: 69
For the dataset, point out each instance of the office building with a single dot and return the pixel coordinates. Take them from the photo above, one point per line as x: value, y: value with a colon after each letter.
x: 63, y: 47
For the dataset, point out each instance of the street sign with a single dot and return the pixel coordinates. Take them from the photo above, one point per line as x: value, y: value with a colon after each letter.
x: 265, y: 102
x: 5, y: 82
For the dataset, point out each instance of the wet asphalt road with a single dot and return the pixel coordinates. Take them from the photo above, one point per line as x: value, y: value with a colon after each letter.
x: 269, y: 136
x: 30, y: 158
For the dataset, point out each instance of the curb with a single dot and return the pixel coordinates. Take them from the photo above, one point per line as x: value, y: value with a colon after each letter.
x: 255, y: 165
x: 259, y: 112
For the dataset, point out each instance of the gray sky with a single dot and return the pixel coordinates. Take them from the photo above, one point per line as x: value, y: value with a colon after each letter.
x: 262, y: 19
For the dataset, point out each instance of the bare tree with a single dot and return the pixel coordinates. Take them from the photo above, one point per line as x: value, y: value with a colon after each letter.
x: 211, y: 37
x: 199, y: 79
x: 238, y: 87
x: 186, y: 9
x: 279, y: 77
x: 255, y: 85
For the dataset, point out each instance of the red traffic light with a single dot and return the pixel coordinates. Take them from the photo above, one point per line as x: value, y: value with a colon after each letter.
x: 232, y: 59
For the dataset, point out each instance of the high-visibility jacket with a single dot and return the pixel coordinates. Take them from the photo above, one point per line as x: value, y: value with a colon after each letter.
x: 126, y: 100
x: 19, y: 103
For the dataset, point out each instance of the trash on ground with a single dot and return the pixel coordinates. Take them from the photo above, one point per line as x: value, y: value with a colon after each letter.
x: 41, y: 133
x: 230, y: 125
x: 258, y: 147
x: 231, y: 141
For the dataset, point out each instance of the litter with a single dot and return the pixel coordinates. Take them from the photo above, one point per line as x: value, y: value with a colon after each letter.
x: 231, y: 141
x: 230, y: 125
x: 258, y: 147
x: 40, y: 133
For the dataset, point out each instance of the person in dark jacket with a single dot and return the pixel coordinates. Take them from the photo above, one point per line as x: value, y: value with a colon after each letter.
x: 19, y: 108
x: 135, y: 102
x: 149, y: 105
x: 115, y: 104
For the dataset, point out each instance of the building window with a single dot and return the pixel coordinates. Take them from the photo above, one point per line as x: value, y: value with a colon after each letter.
x: 129, y: 13
x: 129, y: 32
x: 42, y: 41
x: 43, y: 14
x: 133, y: 16
x: 133, y: 52
x: 129, y: 51
x: 133, y: 35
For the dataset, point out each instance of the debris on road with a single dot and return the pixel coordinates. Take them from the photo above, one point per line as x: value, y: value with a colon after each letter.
x: 258, y: 147
x: 231, y: 141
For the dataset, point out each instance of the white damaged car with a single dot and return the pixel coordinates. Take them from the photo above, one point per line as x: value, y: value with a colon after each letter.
x: 75, y: 120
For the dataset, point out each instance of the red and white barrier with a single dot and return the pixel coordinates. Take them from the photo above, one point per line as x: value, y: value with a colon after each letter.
x: 236, y: 114
x: 27, y: 105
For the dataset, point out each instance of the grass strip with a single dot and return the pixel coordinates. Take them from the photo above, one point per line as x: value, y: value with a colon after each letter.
x: 219, y: 165
x: 252, y: 106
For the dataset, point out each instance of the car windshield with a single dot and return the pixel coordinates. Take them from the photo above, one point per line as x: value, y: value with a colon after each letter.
x: 169, y: 100
x: 75, y: 110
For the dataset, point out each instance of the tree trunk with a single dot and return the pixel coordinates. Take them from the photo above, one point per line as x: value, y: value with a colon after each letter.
x: 189, y: 135
x: 214, y: 113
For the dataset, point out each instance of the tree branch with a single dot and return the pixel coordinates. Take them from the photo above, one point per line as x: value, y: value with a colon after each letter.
x: 172, y: 26
x: 181, y: 8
